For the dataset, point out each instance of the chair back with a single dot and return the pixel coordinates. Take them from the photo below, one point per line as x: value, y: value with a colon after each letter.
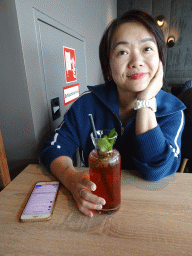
x: 4, y: 170
x: 186, y: 146
x: 183, y: 164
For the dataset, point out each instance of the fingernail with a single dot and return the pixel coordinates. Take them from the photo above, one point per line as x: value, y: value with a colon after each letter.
x: 93, y: 188
x: 103, y: 202
x: 99, y: 207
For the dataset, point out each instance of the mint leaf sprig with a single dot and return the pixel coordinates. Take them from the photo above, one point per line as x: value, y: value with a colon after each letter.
x: 106, y: 143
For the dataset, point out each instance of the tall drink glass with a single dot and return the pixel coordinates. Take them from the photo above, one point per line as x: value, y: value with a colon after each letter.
x: 105, y: 172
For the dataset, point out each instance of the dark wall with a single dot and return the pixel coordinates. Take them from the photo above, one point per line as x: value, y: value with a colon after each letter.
x: 178, y: 23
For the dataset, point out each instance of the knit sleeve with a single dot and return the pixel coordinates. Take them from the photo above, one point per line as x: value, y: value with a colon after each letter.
x: 157, y: 152
x: 63, y: 142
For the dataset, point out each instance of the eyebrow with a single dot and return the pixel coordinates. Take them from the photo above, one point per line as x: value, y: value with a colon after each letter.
x: 147, y: 39
x: 127, y: 43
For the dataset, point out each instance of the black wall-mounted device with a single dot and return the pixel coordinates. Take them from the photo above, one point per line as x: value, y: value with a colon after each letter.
x: 55, y: 107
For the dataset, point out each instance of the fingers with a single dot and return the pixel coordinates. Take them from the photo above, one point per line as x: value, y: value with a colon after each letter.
x: 160, y: 68
x: 88, y: 184
x: 85, y: 211
x: 86, y: 206
x: 81, y: 191
x: 159, y: 72
x: 156, y: 83
x: 89, y: 201
x: 89, y: 197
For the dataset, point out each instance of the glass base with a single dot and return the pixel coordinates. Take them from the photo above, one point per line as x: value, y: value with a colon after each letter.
x: 108, y: 211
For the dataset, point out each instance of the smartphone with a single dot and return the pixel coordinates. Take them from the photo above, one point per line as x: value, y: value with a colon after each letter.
x: 41, y: 202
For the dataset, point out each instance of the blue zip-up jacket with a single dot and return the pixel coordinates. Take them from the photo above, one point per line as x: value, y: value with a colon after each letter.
x: 155, y: 154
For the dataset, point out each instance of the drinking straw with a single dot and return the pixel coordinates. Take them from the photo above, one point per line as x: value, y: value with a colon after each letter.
x: 94, y: 132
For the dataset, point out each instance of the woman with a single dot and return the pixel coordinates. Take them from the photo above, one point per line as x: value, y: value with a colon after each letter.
x: 132, y: 55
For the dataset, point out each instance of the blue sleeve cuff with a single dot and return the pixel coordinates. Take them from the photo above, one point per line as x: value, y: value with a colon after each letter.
x: 51, y: 155
x: 150, y: 146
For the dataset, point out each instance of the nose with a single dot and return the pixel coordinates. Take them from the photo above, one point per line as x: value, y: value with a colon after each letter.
x: 136, y: 61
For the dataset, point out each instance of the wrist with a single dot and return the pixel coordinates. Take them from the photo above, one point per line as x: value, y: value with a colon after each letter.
x: 144, y: 97
x: 62, y: 168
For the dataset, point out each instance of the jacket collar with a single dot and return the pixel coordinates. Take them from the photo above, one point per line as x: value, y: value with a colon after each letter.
x: 107, y: 93
x: 166, y: 103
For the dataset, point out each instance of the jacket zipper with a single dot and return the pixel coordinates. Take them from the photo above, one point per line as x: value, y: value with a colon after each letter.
x: 122, y: 128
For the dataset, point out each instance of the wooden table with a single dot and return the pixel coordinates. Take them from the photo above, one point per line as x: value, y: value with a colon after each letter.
x: 155, y: 218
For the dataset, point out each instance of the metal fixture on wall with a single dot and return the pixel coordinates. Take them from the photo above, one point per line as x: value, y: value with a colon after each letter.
x: 171, y: 41
x: 160, y: 20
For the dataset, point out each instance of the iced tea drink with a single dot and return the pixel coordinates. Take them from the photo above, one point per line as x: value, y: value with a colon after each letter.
x: 105, y: 172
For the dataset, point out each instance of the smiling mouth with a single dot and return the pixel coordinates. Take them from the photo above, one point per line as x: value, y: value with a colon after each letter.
x: 136, y: 76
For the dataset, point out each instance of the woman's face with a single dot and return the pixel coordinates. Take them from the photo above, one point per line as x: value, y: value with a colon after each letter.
x: 134, y: 57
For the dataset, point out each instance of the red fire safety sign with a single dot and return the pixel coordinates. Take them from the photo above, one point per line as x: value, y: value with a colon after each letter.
x: 70, y: 64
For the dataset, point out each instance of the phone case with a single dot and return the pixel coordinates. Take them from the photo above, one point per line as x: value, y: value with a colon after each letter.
x: 39, y: 219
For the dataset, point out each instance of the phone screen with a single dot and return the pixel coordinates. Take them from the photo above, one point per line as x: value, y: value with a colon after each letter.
x: 42, y: 199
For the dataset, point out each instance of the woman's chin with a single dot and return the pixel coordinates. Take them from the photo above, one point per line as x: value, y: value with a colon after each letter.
x: 137, y: 87
x: 132, y: 85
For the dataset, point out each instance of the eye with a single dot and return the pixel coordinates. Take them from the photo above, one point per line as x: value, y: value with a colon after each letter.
x: 122, y: 53
x: 147, y: 49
